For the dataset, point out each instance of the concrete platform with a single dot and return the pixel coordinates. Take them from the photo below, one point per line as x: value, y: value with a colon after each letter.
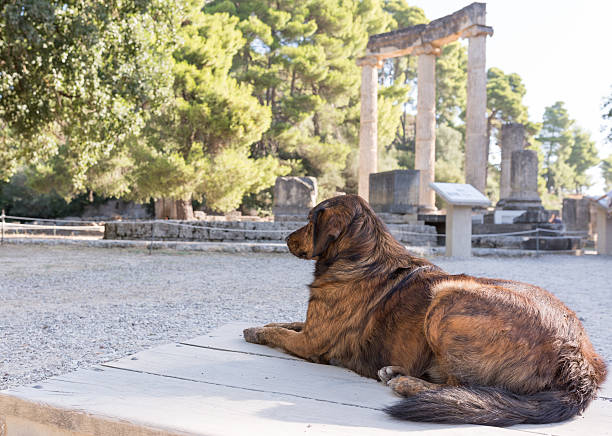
x: 218, y: 384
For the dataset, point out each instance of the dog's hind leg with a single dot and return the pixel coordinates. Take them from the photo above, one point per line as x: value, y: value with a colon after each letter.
x: 407, y: 386
x: 397, y: 378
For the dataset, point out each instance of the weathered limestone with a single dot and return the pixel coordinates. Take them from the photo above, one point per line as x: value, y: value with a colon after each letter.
x: 395, y: 192
x: 512, y: 139
x: 576, y: 214
x: 170, y: 208
x: 368, y: 127
x: 524, y: 181
x: 425, y: 41
x: 294, y: 196
x: 402, y: 42
x: 425, y: 151
x: 476, y: 158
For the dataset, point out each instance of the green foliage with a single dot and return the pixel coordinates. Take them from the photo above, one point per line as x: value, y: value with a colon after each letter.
x: 505, y: 94
x: 403, y: 15
x: 198, y: 145
x: 300, y: 61
x: 583, y: 156
x: 567, y: 152
x: 451, y: 84
x: 233, y: 173
x: 449, y: 155
x: 607, y: 116
x: 80, y: 75
x: 18, y: 198
x: 556, y: 139
x: 606, y: 171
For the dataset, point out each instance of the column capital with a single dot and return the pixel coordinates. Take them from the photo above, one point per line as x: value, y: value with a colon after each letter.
x: 426, y: 49
x: 371, y: 61
x: 477, y: 30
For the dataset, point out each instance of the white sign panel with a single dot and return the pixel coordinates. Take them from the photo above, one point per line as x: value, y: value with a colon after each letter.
x: 460, y: 194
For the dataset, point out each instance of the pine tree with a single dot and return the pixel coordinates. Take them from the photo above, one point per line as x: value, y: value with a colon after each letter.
x: 557, y: 141
x: 606, y: 171
x: 198, y: 146
x: 583, y: 156
x: 78, y: 77
x: 300, y: 60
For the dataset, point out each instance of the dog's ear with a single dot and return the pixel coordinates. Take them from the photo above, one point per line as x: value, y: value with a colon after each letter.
x: 327, y: 226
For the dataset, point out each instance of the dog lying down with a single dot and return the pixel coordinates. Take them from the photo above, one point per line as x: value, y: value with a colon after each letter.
x: 460, y: 349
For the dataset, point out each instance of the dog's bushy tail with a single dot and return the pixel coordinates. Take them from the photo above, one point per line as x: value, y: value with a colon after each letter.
x: 484, y: 405
x: 579, y: 377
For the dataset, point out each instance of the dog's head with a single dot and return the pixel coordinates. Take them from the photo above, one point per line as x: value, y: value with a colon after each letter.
x: 329, y: 223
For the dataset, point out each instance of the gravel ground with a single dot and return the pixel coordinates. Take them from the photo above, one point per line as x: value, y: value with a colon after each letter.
x: 63, y: 308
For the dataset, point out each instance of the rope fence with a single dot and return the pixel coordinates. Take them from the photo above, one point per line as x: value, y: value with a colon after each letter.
x: 99, y: 225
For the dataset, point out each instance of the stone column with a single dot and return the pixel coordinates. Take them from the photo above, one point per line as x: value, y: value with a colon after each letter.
x: 524, y: 181
x: 368, y: 127
x: 476, y: 158
x: 512, y: 139
x: 425, y: 150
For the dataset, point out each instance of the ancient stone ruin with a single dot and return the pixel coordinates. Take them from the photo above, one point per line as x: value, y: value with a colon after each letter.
x: 294, y: 197
x: 425, y: 41
x: 394, y: 195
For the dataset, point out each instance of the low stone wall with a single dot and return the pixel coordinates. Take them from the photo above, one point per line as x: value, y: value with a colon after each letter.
x: 234, y: 231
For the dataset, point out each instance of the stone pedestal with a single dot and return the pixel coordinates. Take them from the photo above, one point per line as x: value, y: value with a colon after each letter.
x: 476, y: 158
x: 512, y: 139
x: 294, y: 197
x: 524, y: 182
x: 425, y: 150
x: 395, y: 192
x: 460, y: 198
x: 458, y: 231
x: 368, y: 128
x: 604, y: 231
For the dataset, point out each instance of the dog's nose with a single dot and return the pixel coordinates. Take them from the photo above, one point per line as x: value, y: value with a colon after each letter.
x: 287, y: 238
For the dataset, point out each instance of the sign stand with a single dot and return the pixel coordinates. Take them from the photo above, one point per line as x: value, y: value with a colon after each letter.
x: 460, y: 198
x: 604, y: 224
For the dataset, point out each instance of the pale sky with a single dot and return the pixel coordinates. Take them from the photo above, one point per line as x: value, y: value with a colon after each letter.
x: 559, y: 48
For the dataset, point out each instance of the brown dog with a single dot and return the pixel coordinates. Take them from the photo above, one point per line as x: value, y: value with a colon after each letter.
x: 460, y: 349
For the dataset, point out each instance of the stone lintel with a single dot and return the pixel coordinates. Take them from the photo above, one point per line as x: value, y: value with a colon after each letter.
x: 477, y: 30
x: 426, y: 49
x: 437, y: 33
x: 371, y: 61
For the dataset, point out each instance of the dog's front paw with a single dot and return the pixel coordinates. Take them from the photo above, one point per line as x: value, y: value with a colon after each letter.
x: 254, y: 335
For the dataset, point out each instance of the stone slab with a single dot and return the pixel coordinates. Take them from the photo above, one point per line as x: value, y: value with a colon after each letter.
x: 460, y: 194
x: 394, y: 192
x: 219, y: 385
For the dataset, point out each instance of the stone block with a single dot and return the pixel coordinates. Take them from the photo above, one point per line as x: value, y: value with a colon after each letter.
x: 524, y: 182
x: 564, y: 243
x: 294, y: 195
x: 535, y: 215
x: 395, y: 191
x: 512, y: 139
x: 576, y: 214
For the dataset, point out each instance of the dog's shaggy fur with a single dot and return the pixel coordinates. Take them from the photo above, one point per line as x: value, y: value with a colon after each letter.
x: 460, y: 349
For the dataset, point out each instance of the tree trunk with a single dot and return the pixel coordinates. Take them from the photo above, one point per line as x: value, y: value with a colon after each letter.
x: 171, y: 209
